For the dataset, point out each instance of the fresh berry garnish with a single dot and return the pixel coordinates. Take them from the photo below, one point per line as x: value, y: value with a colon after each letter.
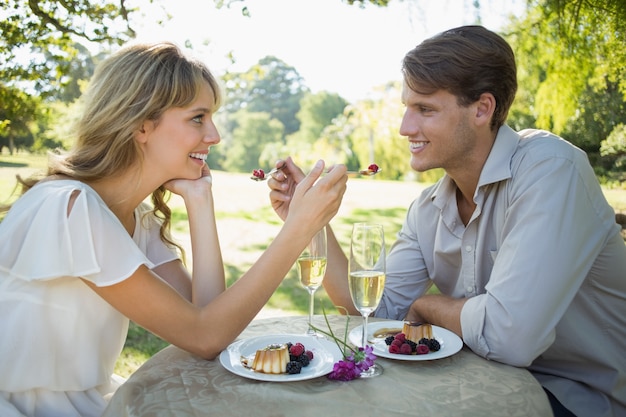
x: 294, y: 367
x: 258, y: 174
x: 401, y: 337
x: 421, y: 349
x: 412, y: 344
x: 397, y: 342
x: 309, y: 354
x: 304, y: 360
x: 394, y: 349
x: 373, y: 168
x: 434, y: 345
x: 389, y: 339
x: 297, y: 349
x: 423, y: 341
x: 405, y: 349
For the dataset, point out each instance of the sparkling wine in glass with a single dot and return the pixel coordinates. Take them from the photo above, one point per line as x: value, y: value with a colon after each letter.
x: 367, y: 275
x: 312, y: 268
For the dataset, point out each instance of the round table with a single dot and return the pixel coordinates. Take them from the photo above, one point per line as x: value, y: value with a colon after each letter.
x: 176, y: 383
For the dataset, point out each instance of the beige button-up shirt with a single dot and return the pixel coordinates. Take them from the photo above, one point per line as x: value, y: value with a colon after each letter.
x: 541, y: 261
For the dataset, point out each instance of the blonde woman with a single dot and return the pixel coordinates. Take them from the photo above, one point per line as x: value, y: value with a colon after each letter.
x: 81, y: 254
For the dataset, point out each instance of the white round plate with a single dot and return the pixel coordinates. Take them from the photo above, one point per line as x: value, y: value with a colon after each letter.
x: 450, y: 342
x: 325, y: 354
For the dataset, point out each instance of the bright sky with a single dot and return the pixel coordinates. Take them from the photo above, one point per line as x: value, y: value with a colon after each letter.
x: 334, y: 46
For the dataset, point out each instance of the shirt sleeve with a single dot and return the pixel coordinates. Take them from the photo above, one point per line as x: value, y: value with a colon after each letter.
x: 47, y: 243
x: 407, y: 276
x: 546, y: 252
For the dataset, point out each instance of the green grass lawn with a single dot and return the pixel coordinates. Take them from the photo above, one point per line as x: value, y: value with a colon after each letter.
x: 289, y: 297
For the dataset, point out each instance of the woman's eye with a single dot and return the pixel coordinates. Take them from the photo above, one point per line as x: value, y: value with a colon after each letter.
x: 198, y: 119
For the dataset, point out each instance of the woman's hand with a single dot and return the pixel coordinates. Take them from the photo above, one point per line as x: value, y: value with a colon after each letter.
x: 315, y: 200
x: 283, y: 185
x: 187, y: 188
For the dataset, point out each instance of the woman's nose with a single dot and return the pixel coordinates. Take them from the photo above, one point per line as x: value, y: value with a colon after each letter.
x: 212, y: 135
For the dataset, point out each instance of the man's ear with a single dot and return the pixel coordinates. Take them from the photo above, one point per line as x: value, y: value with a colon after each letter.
x: 485, y: 107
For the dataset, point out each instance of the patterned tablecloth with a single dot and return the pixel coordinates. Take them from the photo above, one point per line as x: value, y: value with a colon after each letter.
x: 176, y: 383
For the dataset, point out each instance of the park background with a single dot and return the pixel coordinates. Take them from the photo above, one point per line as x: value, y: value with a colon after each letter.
x: 345, y: 109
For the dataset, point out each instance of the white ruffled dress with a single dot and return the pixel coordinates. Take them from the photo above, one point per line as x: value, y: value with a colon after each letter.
x: 59, y: 340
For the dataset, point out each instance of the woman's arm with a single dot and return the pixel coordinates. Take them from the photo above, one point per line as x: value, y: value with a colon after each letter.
x: 207, y: 330
x: 208, y: 280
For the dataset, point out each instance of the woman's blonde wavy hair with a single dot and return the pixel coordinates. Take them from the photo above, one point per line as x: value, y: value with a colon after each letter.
x: 138, y: 83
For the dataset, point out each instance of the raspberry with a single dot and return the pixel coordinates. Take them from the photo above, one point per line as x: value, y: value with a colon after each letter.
x: 394, y: 349
x: 294, y: 367
x: 309, y: 354
x: 401, y: 337
x: 388, y: 340
x: 397, y: 342
x: 405, y: 349
x: 258, y: 173
x: 297, y: 349
x: 422, y: 349
x: 373, y: 168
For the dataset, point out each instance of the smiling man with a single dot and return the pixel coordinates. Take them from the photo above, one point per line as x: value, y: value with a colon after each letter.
x: 517, y: 235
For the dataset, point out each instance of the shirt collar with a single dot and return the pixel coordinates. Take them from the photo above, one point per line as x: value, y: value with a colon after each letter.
x: 498, y: 164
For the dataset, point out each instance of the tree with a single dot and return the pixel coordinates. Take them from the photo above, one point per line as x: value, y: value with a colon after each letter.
x: 47, y: 32
x: 40, y: 57
x: 566, y: 49
x: 17, y: 111
x: 367, y: 132
x: 564, y: 83
x: 271, y: 86
x: 253, y: 132
x: 316, y: 112
x: 614, y: 148
x: 376, y: 136
x: 246, y: 12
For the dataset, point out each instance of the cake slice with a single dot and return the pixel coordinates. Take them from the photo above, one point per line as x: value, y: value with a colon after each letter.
x: 415, y: 331
x: 271, y: 360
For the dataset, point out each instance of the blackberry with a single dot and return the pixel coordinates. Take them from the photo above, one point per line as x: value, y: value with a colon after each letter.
x: 294, y: 367
x: 389, y: 339
x: 423, y: 341
x: 304, y: 360
x: 433, y: 345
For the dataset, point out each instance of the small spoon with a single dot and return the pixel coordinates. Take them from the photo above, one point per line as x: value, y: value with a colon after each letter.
x: 260, y: 175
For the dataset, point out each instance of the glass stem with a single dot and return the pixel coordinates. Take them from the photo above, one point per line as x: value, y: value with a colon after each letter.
x: 364, y: 340
x: 311, y: 301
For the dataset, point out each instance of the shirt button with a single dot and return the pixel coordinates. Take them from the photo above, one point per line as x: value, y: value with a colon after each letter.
x: 470, y: 289
x: 468, y: 248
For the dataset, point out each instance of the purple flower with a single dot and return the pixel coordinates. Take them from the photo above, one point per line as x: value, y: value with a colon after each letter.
x: 354, y: 361
x: 344, y: 370
x: 352, y: 366
x: 367, y: 358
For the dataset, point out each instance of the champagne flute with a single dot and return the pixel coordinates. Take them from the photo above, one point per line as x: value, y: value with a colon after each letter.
x: 367, y: 275
x: 312, y: 268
